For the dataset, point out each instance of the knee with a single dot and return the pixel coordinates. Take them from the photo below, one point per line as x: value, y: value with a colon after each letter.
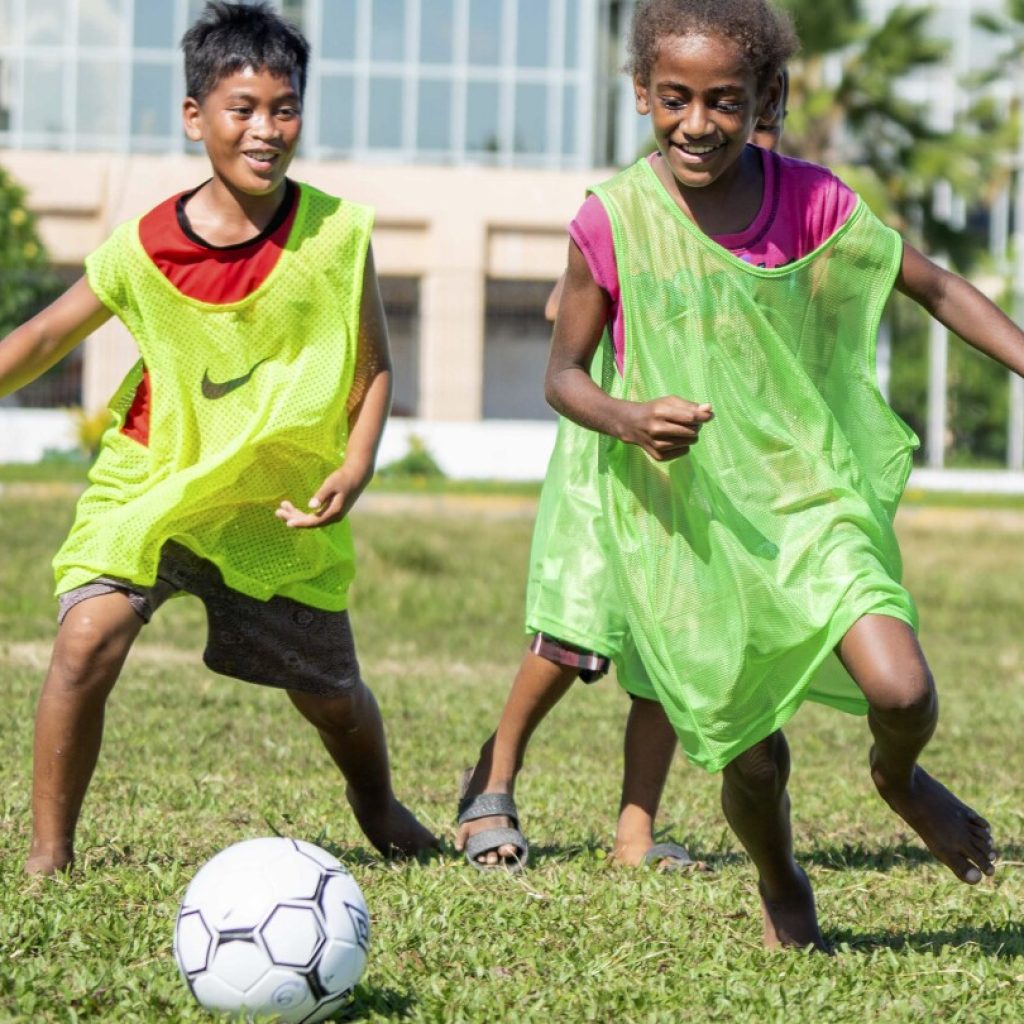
x: 335, y: 715
x: 907, y: 693
x: 761, y: 772
x: 88, y: 652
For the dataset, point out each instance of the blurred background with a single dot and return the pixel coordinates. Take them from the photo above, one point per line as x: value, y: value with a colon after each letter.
x: 474, y: 127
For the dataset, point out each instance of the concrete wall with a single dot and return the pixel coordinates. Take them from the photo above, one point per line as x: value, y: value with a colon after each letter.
x: 449, y: 227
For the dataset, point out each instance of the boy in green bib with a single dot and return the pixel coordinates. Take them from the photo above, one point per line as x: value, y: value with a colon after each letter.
x: 749, y: 289
x: 240, y: 441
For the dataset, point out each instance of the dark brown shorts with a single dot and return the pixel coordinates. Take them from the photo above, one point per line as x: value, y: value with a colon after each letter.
x: 279, y: 642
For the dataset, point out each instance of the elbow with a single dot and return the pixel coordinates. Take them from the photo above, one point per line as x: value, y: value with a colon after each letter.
x: 552, y: 392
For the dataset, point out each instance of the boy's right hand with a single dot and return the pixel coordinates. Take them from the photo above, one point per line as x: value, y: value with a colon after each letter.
x: 666, y: 428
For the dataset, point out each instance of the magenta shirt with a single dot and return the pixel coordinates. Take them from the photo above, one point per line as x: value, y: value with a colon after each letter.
x: 803, y: 204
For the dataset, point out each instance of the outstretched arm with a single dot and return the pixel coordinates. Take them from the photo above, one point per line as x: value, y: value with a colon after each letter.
x: 368, y: 405
x: 32, y: 348
x: 958, y: 305
x: 665, y: 428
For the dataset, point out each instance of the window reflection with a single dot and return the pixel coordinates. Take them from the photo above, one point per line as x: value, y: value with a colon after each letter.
x: 99, y: 22
x: 45, y: 21
x: 485, y: 32
x: 6, y: 22
x: 337, y: 99
x: 154, y: 23
x: 434, y: 119
x: 99, y: 98
x: 44, y: 99
x: 437, y: 27
x: 532, y: 33
x: 386, y: 113
x: 339, y: 30
x: 388, y: 29
x: 531, y: 118
x: 482, y: 117
x: 152, y: 89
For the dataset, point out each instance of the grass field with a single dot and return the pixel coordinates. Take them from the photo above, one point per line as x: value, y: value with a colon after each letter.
x: 193, y: 762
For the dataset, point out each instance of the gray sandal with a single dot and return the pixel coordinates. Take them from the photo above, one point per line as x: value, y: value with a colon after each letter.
x: 669, y: 857
x: 491, y: 805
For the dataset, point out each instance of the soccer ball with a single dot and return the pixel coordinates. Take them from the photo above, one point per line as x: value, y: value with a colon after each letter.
x: 273, y: 927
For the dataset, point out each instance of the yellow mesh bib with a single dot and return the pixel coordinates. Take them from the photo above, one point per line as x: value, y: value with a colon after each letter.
x: 741, y: 566
x: 248, y: 407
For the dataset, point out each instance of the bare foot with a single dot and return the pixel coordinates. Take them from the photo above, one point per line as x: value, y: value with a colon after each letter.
x: 470, y: 787
x: 957, y: 835
x: 49, y: 861
x: 790, y: 917
x: 394, y: 829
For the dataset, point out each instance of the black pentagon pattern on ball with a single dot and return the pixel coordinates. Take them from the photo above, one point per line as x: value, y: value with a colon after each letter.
x: 331, y: 1004
x: 360, y: 925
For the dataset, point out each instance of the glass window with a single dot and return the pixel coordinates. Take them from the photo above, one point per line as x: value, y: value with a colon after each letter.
x: 386, y: 113
x: 485, y: 32
x: 337, y: 118
x: 6, y: 22
x: 572, y: 34
x: 339, y: 27
x: 531, y: 122
x: 401, y: 297
x: 6, y: 93
x: 99, y: 98
x: 482, y: 117
x: 99, y: 22
x: 154, y: 24
x: 437, y: 27
x: 195, y: 8
x: 152, y: 89
x: 569, y: 132
x: 45, y: 21
x: 434, y: 120
x: 388, y: 29
x: 532, y: 33
x: 44, y: 97
x: 293, y: 11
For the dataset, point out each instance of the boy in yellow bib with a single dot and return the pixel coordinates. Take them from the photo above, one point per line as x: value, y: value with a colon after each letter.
x: 265, y: 377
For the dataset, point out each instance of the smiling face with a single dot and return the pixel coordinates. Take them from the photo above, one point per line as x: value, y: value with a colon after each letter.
x: 704, y: 103
x: 250, y: 123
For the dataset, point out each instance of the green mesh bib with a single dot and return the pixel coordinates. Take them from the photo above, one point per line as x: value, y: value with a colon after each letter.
x: 248, y: 408
x: 742, y: 565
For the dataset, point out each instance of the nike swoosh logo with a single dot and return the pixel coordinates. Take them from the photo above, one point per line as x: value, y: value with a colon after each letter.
x: 212, y: 389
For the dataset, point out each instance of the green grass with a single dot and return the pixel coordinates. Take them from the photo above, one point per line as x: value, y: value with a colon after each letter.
x: 193, y: 762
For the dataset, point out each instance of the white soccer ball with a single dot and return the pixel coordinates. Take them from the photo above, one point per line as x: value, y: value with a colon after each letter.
x: 273, y: 927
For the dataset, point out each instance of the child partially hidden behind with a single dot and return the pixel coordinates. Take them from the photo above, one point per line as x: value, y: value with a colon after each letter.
x: 265, y: 372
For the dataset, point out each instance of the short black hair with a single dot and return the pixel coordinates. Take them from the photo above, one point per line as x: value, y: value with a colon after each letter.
x: 762, y: 31
x: 230, y: 37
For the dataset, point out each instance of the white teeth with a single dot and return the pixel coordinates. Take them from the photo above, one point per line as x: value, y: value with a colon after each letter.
x: 698, y: 150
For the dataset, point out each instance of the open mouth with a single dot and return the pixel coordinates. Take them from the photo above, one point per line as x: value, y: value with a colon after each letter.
x: 694, y: 153
x: 261, y: 160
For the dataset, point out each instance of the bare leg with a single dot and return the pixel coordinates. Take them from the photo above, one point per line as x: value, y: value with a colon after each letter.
x: 90, y: 649
x: 756, y: 805
x: 883, y: 656
x: 539, y: 685
x: 351, y: 729
x: 649, y: 746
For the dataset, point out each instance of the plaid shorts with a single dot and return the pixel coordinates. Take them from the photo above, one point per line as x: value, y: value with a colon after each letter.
x: 592, y: 666
x: 279, y: 642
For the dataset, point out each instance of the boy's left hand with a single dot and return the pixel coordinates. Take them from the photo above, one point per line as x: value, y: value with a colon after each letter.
x: 333, y: 501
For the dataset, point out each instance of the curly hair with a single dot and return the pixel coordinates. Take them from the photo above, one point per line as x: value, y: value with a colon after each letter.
x: 763, y: 32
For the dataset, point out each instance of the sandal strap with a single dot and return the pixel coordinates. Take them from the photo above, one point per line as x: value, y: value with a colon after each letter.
x: 488, y: 805
x: 492, y: 839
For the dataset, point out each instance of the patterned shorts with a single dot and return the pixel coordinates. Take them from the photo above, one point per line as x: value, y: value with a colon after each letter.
x: 279, y: 642
x: 591, y: 666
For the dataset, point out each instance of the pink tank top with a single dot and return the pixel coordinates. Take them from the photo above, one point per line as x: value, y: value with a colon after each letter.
x: 802, y: 205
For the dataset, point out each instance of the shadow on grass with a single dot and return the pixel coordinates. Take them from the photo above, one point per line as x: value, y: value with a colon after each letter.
x: 384, y: 1002
x: 1000, y: 941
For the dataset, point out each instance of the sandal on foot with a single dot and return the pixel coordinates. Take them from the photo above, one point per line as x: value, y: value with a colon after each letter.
x: 494, y: 805
x: 668, y: 857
